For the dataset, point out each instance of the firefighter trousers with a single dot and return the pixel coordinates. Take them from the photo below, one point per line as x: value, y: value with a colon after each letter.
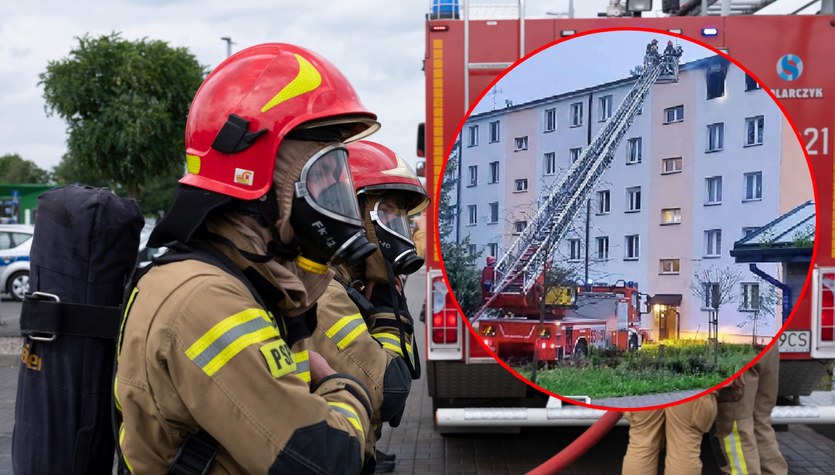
x: 682, y: 426
x: 743, y: 428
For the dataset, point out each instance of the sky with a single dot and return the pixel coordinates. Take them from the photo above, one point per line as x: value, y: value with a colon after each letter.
x: 377, y: 44
x: 578, y: 63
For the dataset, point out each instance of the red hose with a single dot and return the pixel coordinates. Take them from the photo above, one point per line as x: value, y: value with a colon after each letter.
x: 580, y: 446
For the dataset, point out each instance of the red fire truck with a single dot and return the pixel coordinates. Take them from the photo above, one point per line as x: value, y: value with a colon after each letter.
x: 462, y: 58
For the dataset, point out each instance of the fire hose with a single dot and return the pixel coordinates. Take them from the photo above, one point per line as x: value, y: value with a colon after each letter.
x: 580, y: 446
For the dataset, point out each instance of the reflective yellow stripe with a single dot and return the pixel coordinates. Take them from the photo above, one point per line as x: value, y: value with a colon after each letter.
x: 229, y: 337
x: 733, y: 451
x: 349, y: 414
x: 122, y: 445
x: 346, y: 330
x: 116, y: 394
x: 193, y: 164
x: 302, y: 365
x: 391, y: 342
x: 125, y: 319
x: 306, y: 80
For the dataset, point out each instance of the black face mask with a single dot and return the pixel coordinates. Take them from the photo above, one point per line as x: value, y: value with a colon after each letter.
x: 326, y: 240
x: 400, y: 253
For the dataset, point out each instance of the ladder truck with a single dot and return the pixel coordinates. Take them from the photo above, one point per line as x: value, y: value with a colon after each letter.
x: 521, y: 271
x: 464, y: 54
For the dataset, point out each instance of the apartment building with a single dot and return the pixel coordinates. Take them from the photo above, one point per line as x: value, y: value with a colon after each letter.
x: 707, y: 160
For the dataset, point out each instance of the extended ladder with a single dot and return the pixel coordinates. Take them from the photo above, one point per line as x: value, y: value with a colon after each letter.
x: 524, y: 262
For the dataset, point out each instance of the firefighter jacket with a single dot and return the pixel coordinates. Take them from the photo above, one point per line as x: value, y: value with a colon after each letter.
x: 199, y: 352
x: 342, y: 338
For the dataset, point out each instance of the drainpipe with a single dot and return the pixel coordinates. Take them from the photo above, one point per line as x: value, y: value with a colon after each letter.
x: 787, y: 291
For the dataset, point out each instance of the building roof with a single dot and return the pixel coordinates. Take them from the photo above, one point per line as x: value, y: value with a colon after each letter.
x: 789, y: 238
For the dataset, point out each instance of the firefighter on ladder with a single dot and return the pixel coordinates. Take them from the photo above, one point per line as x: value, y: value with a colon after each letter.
x: 357, y: 331
x: 206, y: 379
x: 652, y: 57
x: 488, y: 278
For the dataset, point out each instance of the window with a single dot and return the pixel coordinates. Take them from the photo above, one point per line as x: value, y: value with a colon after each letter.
x: 753, y: 186
x: 574, y: 250
x: 471, y: 249
x: 673, y: 114
x: 605, y: 109
x: 473, y: 175
x: 574, y: 153
x: 550, y: 163
x: 472, y: 212
x: 521, y: 185
x: 494, y: 132
x: 710, y: 295
x: 603, y: 202
x: 519, y: 226
x: 494, y: 212
x: 751, y: 83
x: 669, y: 266
x: 632, y: 247
x: 492, y: 249
x: 713, y: 243
x: 633, y: 150
x: 522, y: 143
x: 715, y: 77
x: 754, y: 130
x: 713, y: 190
x: 715, y: 137
x: 494, y: 172
x: 670, y: 165
x: 633, y: 199
x: 747, y: 231
x: 603, y: 248
x: 576, y: 119
x: 472, y: 136
x: 750, y: 300
x: 671, y: 216
x: 550, y: 120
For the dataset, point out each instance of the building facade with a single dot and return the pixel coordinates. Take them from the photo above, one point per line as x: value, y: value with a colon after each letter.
x: 708, y: 160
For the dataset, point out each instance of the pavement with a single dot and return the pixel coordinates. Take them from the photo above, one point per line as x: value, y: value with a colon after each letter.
x: 421, y: 450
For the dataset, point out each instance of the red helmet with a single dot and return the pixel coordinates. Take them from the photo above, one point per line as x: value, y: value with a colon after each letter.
x: 375, y: 167
x: 491, y: 260
x: 669, y: 42
x: 250, y: 102
x: 654, y: 41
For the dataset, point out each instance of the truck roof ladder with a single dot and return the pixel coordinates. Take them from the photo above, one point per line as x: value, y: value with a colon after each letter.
x: 525, y: 260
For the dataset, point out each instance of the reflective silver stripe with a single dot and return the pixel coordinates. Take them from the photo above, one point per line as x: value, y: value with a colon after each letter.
x: 349, y: 331
x: 392, y: 342
x: 229, y: 337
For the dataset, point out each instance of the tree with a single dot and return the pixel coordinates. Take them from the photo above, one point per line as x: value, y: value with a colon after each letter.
x: 464, y: 278
x: 14, y: 169
x: 761, y: 302
x: 715, y: 287
x: 125, y: 104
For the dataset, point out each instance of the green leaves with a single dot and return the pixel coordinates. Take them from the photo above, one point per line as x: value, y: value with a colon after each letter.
x: 125, y: 104
x: 14, y: 169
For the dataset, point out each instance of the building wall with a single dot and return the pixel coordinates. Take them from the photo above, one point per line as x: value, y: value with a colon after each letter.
x: 777, y: 158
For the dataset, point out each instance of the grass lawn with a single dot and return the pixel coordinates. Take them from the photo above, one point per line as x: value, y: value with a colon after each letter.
x: 675, y: 367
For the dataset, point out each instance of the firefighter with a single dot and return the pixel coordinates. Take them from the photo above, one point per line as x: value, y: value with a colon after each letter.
x: 746, y: 441
x: 652, y: 55
x: 488, y: 278
x: 205, y: 378
x: 342, y: 336
x: 670, y: 49
x: 681, y: 426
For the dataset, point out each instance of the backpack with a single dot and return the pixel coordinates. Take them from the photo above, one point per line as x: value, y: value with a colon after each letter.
x: 84, y: 248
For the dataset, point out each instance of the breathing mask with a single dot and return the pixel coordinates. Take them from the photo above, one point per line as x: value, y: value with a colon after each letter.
x: 325, y: 216
x: 391, y: 225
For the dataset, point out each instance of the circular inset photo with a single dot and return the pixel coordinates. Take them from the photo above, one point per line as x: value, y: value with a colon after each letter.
x: 635, y: 218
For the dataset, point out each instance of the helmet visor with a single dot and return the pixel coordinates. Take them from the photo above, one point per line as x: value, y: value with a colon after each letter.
x: 328, y: 184
x: 391, y: 214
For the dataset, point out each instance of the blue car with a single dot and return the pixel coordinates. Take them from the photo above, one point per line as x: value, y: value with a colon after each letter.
x: 15, y: 242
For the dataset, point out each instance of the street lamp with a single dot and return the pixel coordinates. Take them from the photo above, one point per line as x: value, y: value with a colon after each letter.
x: 229, y: 43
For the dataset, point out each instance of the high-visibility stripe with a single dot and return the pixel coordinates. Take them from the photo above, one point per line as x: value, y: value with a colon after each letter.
x: 733, y: 452
x: 349, y: 414
x: 302, y: 359
x: 346, y: 330
x: 125, y: 319
x: 229, y: 337
x: 392, y: 342
x: 116, y: 394
x: 122, y: 445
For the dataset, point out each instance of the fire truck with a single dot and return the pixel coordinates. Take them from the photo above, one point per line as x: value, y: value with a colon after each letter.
x: 464, y: 55
x: 575, y: 319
